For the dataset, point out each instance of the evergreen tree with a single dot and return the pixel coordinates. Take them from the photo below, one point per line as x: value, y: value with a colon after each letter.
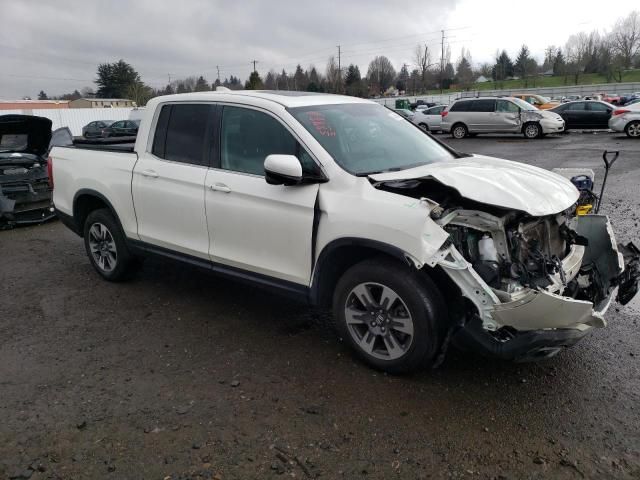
x: 201, y: 85
x: 464, y: 77
x: 254, y: 82
x: 116, y: 79
x: 42, y: 95
x: 300, y: 79
x: 353, y: 81
x: 402, y: 82
x: 503, y: 68
x: 559, y: 64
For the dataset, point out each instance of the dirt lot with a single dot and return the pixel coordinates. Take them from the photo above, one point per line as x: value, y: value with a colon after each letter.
x: 181, y: 375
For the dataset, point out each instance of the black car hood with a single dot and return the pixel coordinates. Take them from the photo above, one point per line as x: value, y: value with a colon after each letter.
x: 37, y: 130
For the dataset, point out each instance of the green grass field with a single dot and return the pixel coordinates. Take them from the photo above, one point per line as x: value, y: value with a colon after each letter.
x: 539, y: 82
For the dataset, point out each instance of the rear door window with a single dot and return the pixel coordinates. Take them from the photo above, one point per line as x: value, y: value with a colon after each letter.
x: 183, y: 133
x: 598, y: 107
x: 486, y: 105
x: 577, y: 107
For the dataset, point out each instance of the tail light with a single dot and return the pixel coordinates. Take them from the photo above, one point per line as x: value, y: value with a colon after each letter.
x: 50, y: 171
x: 620, y: 111
x: 444, y: 113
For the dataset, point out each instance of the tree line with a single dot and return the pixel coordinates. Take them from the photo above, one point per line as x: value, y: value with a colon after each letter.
x: 609, y: 54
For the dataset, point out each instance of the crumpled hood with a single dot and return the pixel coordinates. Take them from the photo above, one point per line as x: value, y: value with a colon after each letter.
x: 497, y: 182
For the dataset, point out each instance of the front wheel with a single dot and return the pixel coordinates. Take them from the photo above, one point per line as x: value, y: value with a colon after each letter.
x: 391, y: 315
x: 106, y: 247
x: 532, y: 130
x: 632, y: 129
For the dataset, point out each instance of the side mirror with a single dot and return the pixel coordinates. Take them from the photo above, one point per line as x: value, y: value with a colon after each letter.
x: 282, y: 170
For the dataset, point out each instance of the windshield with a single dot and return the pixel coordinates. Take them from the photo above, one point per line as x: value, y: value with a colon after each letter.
x: 367, y: 138
x: 522, y: 104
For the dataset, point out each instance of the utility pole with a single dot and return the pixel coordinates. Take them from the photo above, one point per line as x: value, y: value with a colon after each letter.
x: 441, y: 61
x: 218, y: 69
x: 339, y: 72
x: 254, y: 64
x: 169, y: 75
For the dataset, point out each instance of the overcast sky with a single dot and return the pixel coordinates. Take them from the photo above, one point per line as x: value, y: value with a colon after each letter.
x: 56, y: 46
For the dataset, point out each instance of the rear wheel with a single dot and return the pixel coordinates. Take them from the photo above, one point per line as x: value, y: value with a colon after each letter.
x: 632, y: 129
x: 424, y: 126
x: 532, y: 130
x: 459, y: 130
x: 392, y: 316
x: 105, y: 244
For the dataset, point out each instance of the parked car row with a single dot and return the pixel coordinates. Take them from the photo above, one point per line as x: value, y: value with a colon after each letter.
x: 531, y: 115
x: 111, y: 128
x: 605, y: 97
x: 470, y: 116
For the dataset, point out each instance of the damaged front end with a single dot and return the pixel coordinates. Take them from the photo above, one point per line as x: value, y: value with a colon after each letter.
x: 533, y: 284
x: 25, y: 193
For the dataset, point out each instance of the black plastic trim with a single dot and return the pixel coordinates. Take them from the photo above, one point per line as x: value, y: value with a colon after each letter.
x: 324, y: 260
x: 287, y: 288
x: 524, y: 346
x: 94, y: 193
x: 68, y: 221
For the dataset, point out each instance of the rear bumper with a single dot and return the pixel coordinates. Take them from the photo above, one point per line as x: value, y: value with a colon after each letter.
x: 617, y: 123
x: 12, y: 214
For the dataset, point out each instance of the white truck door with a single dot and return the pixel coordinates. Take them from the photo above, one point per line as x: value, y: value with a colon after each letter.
x: 255, y: 226
x: 169, y: 177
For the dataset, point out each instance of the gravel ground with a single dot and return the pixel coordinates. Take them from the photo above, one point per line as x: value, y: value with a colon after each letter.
x: 180, y: 375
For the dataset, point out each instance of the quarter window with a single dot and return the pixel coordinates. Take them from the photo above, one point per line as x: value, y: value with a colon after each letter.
x: 462, y: 106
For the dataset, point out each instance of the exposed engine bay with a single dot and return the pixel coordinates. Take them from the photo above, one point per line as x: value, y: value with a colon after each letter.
x: 527, y: 273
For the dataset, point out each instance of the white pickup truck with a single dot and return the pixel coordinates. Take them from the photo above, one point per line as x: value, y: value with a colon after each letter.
x: 345, y: 204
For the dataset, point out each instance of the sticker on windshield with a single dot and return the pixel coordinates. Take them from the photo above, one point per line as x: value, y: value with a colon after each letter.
x: 319, y: 122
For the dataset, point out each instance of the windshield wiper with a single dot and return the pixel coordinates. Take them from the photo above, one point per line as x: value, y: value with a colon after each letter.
x: 375, y: 172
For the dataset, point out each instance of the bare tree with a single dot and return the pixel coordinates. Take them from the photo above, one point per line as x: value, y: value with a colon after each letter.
x: 626, y: 37
x: 575, y: 52
x: 381, y: 73
x: 333, y: 74
x: 422, y: 57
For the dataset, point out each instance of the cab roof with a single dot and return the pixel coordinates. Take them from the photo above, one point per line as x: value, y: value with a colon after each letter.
x: 282, y: 97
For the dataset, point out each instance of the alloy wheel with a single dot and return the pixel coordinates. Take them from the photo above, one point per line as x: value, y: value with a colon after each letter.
x: 103, y: 247
x: 634, y: 130
x: 532, y: 131
x: 379, y: 321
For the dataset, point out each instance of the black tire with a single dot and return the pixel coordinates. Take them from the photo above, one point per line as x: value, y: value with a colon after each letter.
x: 632, y: 129
x: 532, y: 130
x: 124, y: 264
x: 424, y: 126
x: 459, y: 130
x: 425, y: 308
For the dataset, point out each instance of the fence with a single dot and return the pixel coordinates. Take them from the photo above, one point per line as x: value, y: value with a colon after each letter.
x: 582, y: 90
x: 75, y: 118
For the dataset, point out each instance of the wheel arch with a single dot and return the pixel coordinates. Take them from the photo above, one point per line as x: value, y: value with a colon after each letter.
x: 341, y: 254
x: 86, y: 201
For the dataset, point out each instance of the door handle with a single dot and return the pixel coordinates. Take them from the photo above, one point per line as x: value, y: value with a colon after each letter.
x: 149, y: 173
x: 220, y: 187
